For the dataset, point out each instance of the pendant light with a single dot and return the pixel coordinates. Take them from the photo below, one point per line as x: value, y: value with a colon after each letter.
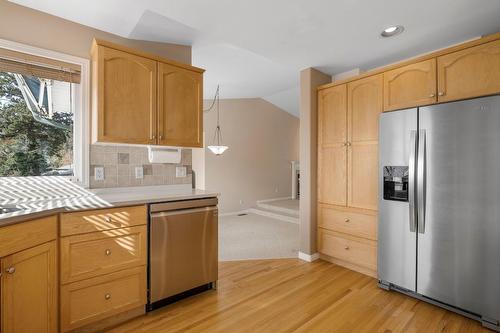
x: 217, y: 147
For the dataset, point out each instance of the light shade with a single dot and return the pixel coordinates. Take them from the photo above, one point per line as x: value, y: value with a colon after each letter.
x: 217, y: 150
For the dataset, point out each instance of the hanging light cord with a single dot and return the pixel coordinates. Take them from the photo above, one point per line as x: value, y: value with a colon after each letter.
x: 216, y: 98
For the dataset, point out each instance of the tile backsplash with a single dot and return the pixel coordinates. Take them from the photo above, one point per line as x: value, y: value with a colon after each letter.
x: 119, y: 164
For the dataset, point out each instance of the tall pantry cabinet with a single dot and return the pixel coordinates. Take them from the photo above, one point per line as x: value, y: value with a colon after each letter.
x: 347, y: 172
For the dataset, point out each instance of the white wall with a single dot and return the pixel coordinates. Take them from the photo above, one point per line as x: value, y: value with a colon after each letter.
x: 262, y: 140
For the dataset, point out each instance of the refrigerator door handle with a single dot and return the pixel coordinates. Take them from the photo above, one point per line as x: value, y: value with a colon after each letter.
x: 411, y: 180
x: 421, y: 181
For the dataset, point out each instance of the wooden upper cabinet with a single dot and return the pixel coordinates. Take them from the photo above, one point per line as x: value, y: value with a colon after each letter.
x: 29, y: 290
x: 125, y: 85
x: 410, y: 85
x: 469, y: 73
x: 180, y: 106
x: 332, y: 152
x: 332, y: 115
x: 140, y: 98
x: 364, y: 107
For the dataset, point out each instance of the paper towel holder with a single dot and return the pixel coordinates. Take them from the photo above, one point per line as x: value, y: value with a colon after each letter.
x: 159, y: 154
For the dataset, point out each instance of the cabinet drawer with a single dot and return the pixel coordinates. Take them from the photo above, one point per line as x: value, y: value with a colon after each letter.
x: 102, y: 219
x: 88, y: 301
x: 356, y: 224
x: 23, y: 235
x: 354, y: 250
x: 89, y: 255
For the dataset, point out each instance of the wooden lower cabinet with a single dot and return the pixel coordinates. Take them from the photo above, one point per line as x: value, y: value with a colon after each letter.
x: 90, y: 300
x: 102, y: 219
x: 347, y: 221
x: 356, y: 253
x: 89, y: 255
x: 29, y: 290
x: 348, y: 237
x: 103, y: 266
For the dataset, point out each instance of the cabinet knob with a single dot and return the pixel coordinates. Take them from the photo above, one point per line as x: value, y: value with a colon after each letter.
x: 10, y: 270
x: 109, y: 219
x: 107, y: 252
x: 161, y: 137
x: 344, y: 144
x: 441, y: 93
x: 346, y: 220
x: 346, y: 248
x: 432, y: 95
x: 348, y: 143
x: 107, y: 296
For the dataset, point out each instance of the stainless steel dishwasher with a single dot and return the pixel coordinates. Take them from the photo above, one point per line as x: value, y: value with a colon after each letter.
x: 183, y: 249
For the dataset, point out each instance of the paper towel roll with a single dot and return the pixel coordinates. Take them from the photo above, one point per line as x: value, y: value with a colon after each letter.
x: 164, y: 155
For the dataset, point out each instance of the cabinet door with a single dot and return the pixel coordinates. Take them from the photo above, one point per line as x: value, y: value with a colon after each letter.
x: 180, y: 106
x: 364, y: 107
x: 411, y: 85
x: 469, y: 73
x: 126, y: 97
x: 332, y: 150
x: 29, y: 294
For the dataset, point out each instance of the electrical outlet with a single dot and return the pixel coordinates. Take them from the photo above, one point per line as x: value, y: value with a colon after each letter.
x: 180, y: 171
x: 276, y: 189
x: 241, y: 202
x: 99, y: 173
x: 139, y: 172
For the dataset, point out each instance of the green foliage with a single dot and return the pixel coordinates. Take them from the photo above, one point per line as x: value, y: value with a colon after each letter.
x: 27, y: 147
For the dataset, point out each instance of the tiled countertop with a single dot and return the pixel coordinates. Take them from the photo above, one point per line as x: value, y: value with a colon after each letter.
x: 52, y: 195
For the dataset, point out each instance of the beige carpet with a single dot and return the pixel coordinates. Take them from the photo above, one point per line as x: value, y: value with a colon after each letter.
x: 256, y: 237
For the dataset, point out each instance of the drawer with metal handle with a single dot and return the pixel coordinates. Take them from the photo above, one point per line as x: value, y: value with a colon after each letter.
x: 348, y: 222
x: 355, y: 250
x: 90, y: 255
x: 102, y: 219
x: 90, y: 300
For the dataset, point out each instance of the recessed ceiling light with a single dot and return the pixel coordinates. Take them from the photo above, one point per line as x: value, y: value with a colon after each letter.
x: 392, y: 31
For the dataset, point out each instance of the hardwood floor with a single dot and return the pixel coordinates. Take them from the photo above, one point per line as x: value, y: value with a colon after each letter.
x: 290, y: 295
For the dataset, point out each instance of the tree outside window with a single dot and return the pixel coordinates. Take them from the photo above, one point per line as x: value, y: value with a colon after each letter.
x: 33, y: 144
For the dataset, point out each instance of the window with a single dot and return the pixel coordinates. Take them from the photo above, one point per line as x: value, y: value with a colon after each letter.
x: 36, y: 126
x: 42, y: 123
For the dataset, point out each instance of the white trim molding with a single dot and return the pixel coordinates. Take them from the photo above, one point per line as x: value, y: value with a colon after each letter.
x: 81, y: 131
x: 274, y: 199
x: 274, y: 215
x: 308, y: 257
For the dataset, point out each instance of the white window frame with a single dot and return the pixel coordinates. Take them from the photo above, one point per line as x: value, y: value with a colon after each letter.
x: 81, y: 102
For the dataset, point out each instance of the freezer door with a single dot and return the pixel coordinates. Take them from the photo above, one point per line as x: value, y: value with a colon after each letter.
x: 459, y: 213
x: 397, y: 225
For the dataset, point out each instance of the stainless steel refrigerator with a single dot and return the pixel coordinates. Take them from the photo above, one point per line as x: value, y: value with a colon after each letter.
x: 439, y: 206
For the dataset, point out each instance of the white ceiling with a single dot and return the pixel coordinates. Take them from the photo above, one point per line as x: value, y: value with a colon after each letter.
x: 256, y: 48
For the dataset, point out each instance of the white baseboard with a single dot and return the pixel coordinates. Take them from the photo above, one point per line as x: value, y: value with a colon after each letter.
x: 274, y: 199
x: 270, y: 207
x: 233, y: 213
x: 276, y: 216
x: 308, y: 257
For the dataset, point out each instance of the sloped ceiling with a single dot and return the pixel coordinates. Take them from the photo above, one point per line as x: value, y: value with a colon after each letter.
x: 256, y: 48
